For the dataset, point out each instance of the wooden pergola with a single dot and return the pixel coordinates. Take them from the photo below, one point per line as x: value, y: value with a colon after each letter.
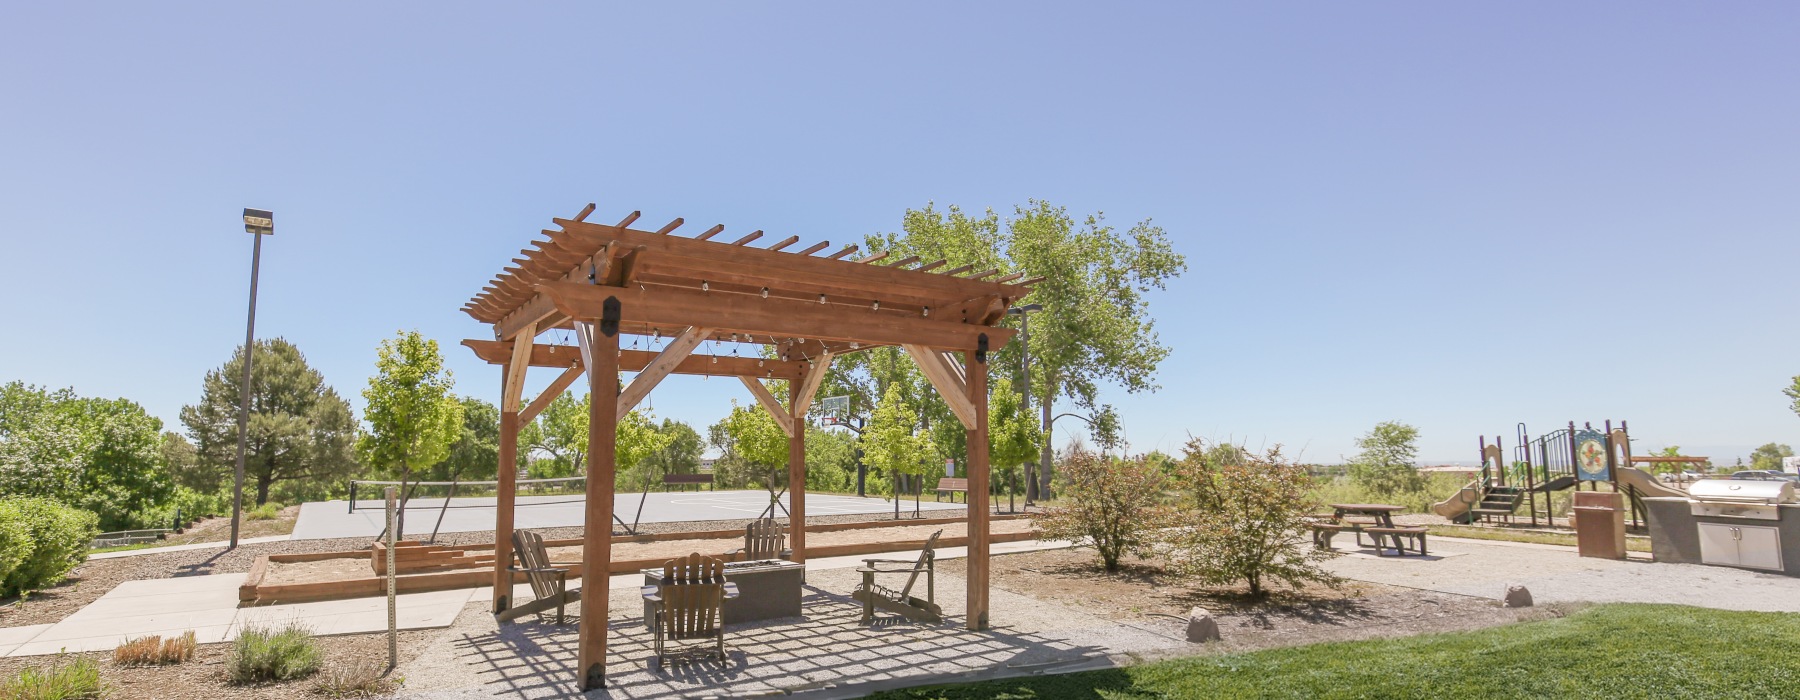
x: 603, y: 282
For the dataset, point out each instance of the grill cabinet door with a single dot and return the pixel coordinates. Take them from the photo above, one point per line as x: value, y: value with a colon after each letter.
x: 1759, y: 547
x: 1718, y: 544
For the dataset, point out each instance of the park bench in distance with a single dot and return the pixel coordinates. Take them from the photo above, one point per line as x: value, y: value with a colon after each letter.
x: 694, y: 480
x: 953, y: 486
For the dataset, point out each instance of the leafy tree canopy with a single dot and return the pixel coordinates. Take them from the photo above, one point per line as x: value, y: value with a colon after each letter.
x: 1768, y: 457
x: 413, y: 417
x: 300, y: 430
x: 101, y: 455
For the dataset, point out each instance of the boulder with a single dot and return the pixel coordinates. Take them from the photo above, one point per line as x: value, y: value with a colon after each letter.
x: 1201, y: 626
x: 1516, y: 597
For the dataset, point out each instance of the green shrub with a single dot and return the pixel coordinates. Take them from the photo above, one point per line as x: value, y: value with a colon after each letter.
x: 76, y: 680
x: 59, y: 537
x: 265, y: 652
x: 266, y: 511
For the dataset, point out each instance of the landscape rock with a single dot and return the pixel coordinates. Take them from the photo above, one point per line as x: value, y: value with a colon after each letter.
x: 1201, y: 626
x: 1516, y: 597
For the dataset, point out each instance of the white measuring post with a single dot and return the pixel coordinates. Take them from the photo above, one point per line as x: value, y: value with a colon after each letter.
x: 393, y: 607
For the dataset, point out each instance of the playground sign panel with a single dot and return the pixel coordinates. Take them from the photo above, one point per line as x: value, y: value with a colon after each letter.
x: 1591, y: 462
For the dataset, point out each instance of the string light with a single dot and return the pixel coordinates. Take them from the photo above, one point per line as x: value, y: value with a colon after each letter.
x: 705, y: 286
x: 821, y: 298
x: 927, y: 311
x: 765, y: 292
x: 875, y: 306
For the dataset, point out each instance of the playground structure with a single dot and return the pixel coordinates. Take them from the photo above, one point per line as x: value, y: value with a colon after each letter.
x: 1557, y: 461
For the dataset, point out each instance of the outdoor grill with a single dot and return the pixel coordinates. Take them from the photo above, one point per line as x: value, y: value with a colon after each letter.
x: 1740, y: 498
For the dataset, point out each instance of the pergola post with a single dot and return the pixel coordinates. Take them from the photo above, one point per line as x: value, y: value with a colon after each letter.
x: 512, y: 381
x: 797, y: 474
x: 596, y: 547
x: 503, y: 510
x: 975, y: 363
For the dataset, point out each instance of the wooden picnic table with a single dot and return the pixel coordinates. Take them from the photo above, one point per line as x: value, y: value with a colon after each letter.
x: 1380, y: 523
x: 1382, y: 513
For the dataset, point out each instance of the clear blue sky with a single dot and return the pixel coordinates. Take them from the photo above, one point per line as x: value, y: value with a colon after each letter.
x: 1458, y: 216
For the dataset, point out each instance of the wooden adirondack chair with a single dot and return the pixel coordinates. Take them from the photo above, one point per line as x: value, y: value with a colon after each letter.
x: 549, y: 583
x: 686, y: 603
x: 902, y: 601
x: 763, y: 539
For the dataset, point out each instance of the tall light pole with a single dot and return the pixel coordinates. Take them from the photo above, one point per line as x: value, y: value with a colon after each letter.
x: 258, y: 222
x: 1023, y: 312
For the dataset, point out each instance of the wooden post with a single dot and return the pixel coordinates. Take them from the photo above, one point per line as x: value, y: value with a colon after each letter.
x: 503, y: 509
x: 596, y: 548
x: 512, y: 388
x: 975, y: 364
x: 797, y: 474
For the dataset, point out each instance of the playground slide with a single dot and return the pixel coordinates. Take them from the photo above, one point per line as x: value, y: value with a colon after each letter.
x: 1646, y: 484
x: 1456, y: 507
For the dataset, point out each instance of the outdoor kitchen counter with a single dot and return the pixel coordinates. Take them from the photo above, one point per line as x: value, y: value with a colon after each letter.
x: 1773, y: 545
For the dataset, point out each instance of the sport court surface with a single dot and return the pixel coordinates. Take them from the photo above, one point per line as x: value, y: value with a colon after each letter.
x: 333, y: 519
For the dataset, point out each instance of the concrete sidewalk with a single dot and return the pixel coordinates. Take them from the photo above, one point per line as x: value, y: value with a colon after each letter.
x: 184, y: 547
x: 208, y: 605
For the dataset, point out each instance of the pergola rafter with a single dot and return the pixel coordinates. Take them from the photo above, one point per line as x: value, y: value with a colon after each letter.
x: 603, y: 282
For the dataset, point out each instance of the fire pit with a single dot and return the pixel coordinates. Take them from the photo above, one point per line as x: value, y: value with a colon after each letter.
x: 767, y: 589
x: 1729, y: 522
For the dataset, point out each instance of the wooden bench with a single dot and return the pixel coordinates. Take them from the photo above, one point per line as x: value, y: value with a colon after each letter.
x: 1400, y: 536
x: 694, y: 480
x: 953, y: 486
x: 1322, y: 532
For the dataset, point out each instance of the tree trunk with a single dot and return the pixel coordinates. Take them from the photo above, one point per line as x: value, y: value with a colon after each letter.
x: 1041, y: 491
x: 263, y: 482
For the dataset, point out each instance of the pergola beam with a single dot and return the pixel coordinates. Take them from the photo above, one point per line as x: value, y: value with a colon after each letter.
x: 775, y: 317
x: 556, y: 388
x: 665, y: 363
x: 945, y: 379
x: 780, y: 413
x: 564, y: 356
x: 515, y: 370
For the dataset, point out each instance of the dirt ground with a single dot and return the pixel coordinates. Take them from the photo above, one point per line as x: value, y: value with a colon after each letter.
x: 204, y: 676
x: 219, y: 529
x: 1141, y: 593
x: 342, y: 569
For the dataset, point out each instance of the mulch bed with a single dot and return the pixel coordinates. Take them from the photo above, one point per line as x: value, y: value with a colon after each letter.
x: 1143, y: 594
x: 204, y: 676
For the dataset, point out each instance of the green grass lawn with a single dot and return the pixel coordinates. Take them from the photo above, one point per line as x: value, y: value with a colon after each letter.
x: 1611, y: 651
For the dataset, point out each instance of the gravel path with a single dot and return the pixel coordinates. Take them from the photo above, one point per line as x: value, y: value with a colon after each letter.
x: 1556, y: 574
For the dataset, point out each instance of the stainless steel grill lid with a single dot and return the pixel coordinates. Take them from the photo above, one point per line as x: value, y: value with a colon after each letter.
x: 1742, y: 491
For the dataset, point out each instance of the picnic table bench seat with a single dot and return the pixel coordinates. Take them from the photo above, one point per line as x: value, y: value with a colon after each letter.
x: 1400, y: 536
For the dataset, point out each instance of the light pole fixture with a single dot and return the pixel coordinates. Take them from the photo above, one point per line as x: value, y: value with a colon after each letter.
x: 1031, y: 485
x: 258, y: 222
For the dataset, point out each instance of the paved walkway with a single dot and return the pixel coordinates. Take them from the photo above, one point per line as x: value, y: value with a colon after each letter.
x: 184, y: 547
x: 333, y: 519
x: 208, y: 605
x: 1555, y: 574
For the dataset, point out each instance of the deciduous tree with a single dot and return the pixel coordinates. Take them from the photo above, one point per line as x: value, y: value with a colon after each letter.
x: 1095, y: 324
x: 1385, y: 465
x: 413, y: 417
x: 1768, y: 457
x: 100, y: 455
